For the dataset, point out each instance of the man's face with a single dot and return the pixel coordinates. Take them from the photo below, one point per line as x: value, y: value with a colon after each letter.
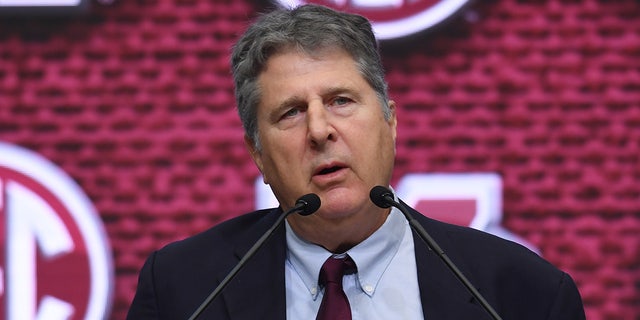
x: 322, y: 130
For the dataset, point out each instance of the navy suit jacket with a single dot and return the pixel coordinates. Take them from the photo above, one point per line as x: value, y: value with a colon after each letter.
x: 515, y: 281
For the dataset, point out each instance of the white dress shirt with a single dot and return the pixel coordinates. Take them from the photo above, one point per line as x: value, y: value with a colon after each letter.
x: 385, y: 286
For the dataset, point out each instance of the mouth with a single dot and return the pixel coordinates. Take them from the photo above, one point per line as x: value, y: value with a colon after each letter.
x: 328, y: 169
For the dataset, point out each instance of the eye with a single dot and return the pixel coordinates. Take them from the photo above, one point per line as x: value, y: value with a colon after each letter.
x: 290, y: 113
x: 341, y: 101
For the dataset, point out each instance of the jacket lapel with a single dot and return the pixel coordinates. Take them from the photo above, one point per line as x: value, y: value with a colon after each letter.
x: 258, y: 291
x: 443, y: 295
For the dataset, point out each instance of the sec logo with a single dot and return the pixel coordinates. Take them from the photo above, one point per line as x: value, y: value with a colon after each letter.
x: 393, y: 18
x: 55, y: 261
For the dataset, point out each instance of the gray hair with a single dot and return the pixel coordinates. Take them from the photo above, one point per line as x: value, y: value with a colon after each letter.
x: 309, y: 28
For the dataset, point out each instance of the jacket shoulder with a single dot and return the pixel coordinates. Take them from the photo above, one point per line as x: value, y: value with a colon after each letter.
x: 220, y: 236
x: 503, y: 270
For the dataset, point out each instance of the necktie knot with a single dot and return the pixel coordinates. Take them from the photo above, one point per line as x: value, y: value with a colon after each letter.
x: 334, y: 269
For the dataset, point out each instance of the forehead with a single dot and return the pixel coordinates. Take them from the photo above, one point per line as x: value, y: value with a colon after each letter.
x: 299, y: 69
x: 294, y: 77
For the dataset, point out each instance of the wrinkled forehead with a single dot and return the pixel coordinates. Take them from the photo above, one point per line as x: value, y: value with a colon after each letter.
x: 314, y: 53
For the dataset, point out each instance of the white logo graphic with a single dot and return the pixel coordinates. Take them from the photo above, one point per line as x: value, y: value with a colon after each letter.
x: 393, y: 18
x: 56, y: 262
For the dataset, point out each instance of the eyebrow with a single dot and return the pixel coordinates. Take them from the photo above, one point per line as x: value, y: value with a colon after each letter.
x: 334, y: 91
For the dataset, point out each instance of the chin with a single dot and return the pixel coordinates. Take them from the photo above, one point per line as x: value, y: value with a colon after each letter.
x: 341, y: 204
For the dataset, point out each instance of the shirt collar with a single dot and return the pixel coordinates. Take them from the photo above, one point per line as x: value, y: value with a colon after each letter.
x: 372, y: 256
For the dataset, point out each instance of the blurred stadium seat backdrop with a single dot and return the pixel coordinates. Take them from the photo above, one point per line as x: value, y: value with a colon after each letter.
x: 133, y: 100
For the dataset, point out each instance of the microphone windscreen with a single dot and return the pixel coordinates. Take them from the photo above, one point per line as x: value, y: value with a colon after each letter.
x: 310, y: 204
x: 378, y: 196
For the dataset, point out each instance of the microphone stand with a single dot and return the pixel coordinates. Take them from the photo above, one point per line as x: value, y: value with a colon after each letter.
x: 387, y: 196
x: 306, y: 205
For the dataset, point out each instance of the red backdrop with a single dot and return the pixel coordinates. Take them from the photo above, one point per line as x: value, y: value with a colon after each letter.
x: 135, y: 102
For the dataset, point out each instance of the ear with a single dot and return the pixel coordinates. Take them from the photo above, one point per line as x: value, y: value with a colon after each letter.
x: 393, y: 120
x: 255, y: 154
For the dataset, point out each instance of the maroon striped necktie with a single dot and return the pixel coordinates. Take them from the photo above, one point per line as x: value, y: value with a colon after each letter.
x: 335, y: 305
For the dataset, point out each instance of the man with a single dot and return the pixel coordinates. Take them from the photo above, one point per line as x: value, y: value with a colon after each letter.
x: 313, y: 101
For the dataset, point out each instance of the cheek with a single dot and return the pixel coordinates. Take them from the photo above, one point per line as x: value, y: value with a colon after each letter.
x: 381, y: 149
x: 365, y: 135
x: 280, y: 154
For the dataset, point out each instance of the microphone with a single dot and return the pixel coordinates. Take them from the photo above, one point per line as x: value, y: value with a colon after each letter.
x: 383, y: 198
x: 305, y: 205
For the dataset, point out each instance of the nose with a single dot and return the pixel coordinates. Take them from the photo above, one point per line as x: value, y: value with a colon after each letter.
x: 320, y: 128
